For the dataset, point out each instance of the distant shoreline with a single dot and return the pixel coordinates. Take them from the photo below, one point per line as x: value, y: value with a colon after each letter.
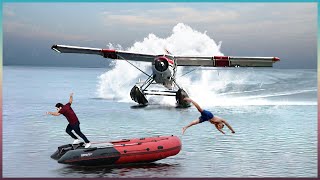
x: 32, y: 66
x: 110, y: 67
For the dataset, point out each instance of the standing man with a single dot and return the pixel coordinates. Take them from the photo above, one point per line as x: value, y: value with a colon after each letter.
x: 207, y: 116
x: 72, y: 118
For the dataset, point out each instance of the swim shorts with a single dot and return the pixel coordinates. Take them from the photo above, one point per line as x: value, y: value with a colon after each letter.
x: 205, y: 116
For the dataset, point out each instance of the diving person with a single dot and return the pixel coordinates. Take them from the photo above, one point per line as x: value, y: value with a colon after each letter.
x: 207, y: 116
x: 74, y: 123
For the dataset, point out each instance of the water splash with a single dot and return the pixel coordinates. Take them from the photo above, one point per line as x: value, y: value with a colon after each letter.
x: 117, y: 82
x: 208, y: 86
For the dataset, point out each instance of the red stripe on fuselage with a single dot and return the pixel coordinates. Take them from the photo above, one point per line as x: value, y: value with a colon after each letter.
x: 166, y: 59
x: 170, y: 61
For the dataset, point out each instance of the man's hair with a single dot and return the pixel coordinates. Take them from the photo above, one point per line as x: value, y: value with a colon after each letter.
x: 58, y: 105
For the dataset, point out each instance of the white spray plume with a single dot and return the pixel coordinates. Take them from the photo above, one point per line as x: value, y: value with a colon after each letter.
x: 212, y: 87
x: 117, y: 82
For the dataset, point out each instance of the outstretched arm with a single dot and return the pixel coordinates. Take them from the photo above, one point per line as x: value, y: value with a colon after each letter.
x: 194, y: 103
x: 71, y: 98
x: 228, y: 125
x: 219, y: 129
x: 54, y: 113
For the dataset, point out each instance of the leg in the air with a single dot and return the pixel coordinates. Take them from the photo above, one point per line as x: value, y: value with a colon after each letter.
x: 191, y: 124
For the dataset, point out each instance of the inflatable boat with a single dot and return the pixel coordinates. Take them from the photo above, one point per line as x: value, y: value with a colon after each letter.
x: 125, y: 151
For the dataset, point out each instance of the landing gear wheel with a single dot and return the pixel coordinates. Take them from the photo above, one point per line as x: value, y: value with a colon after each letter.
x: 180, y: 95
x: 138, y: 96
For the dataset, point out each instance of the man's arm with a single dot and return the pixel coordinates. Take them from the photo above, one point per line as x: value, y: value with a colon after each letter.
x: 71, y: 98
x: 221, y: 131
x: 54, y: 113
x: 194, y: 103
x: 228, y: 125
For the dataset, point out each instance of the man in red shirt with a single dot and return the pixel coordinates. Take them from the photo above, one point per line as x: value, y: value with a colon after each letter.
x: 72, y: 118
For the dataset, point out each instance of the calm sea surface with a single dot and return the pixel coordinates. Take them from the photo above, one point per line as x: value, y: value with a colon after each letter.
x: 273, y: 139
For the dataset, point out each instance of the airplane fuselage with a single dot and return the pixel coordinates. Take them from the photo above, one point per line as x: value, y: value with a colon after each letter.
x: 163, y: 71
x: 164, y: 68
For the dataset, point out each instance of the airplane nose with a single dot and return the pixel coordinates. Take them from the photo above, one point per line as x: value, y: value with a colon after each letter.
x: 161, y: 65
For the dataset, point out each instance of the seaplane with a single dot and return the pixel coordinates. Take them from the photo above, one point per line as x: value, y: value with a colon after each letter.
x: 164, y: 69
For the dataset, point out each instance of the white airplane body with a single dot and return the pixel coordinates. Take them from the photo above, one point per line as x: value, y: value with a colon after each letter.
x: 164, y: 68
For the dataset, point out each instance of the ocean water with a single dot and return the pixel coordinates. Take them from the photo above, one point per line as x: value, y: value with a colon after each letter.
x: 273, y: 111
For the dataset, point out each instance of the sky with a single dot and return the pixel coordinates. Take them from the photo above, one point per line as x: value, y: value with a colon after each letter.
x: 285, y: 30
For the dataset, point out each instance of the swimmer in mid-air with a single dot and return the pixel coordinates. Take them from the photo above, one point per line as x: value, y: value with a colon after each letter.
x: 207, y: 116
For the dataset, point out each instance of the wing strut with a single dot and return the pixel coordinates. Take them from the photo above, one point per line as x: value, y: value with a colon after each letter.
x: 189, y: 71
x: 135, y: 66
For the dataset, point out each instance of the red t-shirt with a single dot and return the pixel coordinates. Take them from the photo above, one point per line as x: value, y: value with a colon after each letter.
x: 68, y: 112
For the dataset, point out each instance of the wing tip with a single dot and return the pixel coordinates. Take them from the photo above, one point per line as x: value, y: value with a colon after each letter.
x: 275, y: 59
x: 55, y: 48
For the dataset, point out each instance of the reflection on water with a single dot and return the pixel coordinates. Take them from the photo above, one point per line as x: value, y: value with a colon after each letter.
x: 138, y: 106
x: 133, y: 170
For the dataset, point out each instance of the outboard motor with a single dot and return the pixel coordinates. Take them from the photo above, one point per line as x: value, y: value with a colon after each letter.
x: 65, y: 148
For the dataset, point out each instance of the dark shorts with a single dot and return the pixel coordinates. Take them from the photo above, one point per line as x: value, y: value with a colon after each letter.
x: 205, y: 116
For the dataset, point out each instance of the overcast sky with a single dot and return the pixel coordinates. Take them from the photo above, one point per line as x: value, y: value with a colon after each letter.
x: 286, y: 30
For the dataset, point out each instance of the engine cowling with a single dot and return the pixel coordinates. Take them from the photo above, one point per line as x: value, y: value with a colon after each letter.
x: 162, y: 68
x: 161, y: 64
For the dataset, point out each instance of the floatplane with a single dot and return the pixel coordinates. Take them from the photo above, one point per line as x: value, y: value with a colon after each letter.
x: 164, y: 68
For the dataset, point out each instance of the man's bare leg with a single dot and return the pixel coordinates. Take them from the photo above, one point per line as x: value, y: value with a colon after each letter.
x: 191, y: 124
x: 194, y: 103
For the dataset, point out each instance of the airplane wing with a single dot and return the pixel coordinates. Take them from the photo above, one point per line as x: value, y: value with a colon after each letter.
x: 225, y: 61
x: 106, y: 53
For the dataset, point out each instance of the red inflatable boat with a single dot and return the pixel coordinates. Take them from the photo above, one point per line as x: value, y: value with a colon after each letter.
x: 139, y: 150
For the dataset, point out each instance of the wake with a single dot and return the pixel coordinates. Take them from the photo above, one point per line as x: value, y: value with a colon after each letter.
x: 209, y: 87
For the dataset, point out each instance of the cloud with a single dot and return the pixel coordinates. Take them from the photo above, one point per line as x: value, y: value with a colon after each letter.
x: 248, y: 19
x: 167, y: 16
x: 8, y: 12
x: 39, y: 32
x: 285, y: 20
x: 231, y: 16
